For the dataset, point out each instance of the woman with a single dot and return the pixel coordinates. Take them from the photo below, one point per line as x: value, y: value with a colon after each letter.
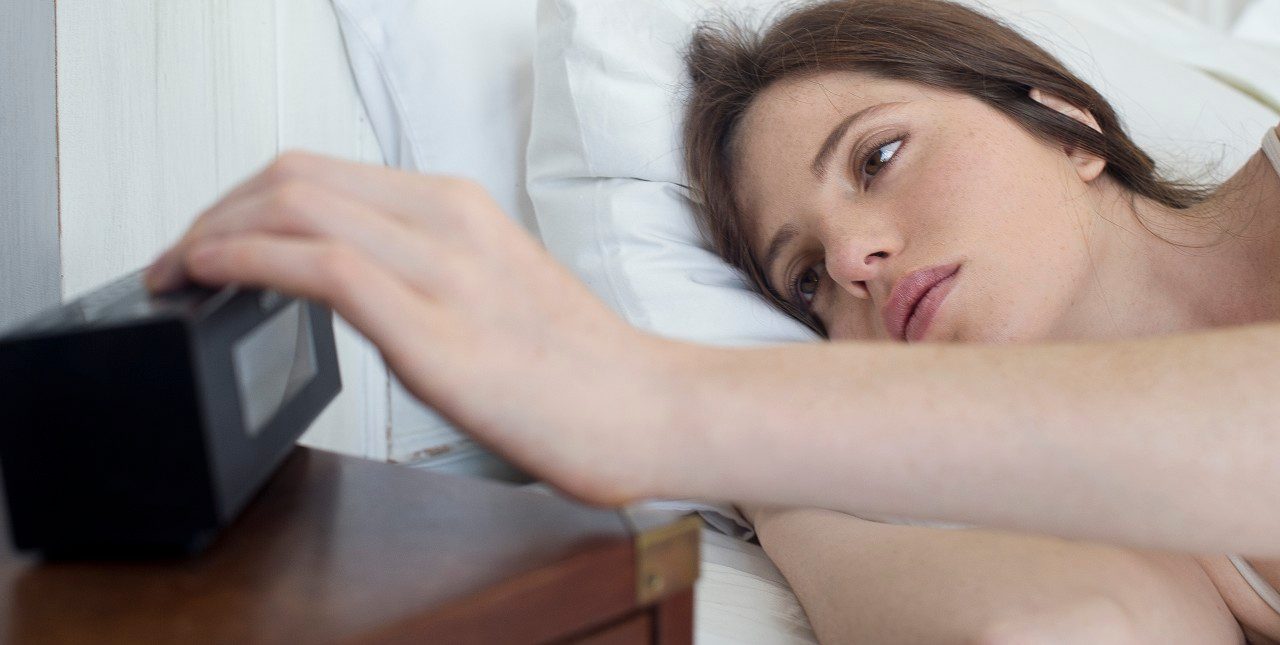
x: 855, y: 142
x: 1119, y: 389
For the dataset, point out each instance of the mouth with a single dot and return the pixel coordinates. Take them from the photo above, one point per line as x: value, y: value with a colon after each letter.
x: 915, y: 300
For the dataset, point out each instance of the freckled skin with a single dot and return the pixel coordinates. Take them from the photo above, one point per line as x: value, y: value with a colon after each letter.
x: 1049, y: 246
x: 1050, y: 250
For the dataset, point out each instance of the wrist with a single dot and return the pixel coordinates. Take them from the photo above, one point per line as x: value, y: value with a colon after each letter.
x: 677, y: 463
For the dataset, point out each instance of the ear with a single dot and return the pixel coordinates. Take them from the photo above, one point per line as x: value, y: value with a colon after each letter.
x: 1088, y: 165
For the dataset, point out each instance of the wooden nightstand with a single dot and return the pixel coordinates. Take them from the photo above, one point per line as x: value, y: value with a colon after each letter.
x: 340, y: 549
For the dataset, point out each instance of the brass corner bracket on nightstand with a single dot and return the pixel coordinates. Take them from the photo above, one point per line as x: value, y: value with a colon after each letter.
x: 667, y: 558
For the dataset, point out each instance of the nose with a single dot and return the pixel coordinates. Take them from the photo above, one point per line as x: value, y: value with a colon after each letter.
x: 856, y: 262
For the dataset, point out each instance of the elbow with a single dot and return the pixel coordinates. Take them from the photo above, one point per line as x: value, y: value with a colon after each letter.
x: 1099, y: 619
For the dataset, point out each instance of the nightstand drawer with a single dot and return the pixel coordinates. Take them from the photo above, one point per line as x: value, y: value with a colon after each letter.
x: 632, y: 631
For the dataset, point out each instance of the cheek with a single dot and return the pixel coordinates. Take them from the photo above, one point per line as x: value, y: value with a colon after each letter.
x: 853, y: 319
x: 1013, y: 218
x: 998, y: 194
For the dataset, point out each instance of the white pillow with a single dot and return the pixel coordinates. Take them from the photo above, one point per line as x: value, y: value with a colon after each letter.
x: 1259, y: 22
x: 447, y: 86
x: 1234, y: 57
x: 605, y: 171
x: 606, y: 178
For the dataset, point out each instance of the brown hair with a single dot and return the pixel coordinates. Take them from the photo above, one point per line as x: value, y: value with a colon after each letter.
x: 932, y: 42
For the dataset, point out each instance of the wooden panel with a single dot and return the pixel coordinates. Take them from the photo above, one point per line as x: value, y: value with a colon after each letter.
x: 181, y: 171
x: 30, y: 270
x: 319, y: 110
x: 570, y: 596
x: 673, y: 619
x: 114, y: 208
x: 635, y: 630
x: 163, y: 105
x: 166, y: 105
x: 243, y: 40
x: 339, y: 549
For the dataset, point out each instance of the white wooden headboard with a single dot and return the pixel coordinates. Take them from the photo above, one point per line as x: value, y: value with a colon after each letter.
x: 120, y: 121
x: 161, y: 106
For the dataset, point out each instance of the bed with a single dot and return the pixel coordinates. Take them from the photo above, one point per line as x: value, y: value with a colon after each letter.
x: 580, y: 152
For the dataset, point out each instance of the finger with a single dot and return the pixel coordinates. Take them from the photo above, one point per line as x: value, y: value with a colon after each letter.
x: 291, y: 168
x: 254, y: 184
x: 382, y: 307
x: 304, y: 210
x: 409, y: 195
x: 391, y: 189
x: 413, y: 198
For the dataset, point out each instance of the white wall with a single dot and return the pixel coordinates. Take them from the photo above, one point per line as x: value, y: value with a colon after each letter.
x: 164, y: 105
x: 30, y: 276
x: 157, y: 108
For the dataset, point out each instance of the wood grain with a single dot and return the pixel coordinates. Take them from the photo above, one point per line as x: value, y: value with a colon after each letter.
x: 339, y: 549
x: 672, y: 618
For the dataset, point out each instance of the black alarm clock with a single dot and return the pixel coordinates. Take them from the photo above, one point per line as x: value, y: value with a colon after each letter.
x: 134, y: 424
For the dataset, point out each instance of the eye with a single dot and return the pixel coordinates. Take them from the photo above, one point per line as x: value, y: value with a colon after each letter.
x: 805, y: 285
x: 879, y: 156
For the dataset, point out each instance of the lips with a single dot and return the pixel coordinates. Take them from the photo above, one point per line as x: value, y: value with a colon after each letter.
x: 913, y: 302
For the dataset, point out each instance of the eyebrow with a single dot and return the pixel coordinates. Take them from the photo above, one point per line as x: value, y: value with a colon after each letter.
x: 832, y: 142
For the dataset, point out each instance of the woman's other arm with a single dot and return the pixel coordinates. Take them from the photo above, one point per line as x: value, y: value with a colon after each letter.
x: 1168, y: 441
x: 862, y: 581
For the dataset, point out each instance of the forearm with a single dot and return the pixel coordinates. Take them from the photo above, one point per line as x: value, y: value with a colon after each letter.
x: 1168, y: 441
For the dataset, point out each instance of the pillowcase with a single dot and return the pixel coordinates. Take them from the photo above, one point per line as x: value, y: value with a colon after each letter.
x: 605, y: 170
x: 1232, y: 57
x: 447, y: 86
x: 1257, y: 22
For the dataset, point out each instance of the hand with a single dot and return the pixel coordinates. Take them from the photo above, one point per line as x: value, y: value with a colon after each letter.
x: 467, y: 309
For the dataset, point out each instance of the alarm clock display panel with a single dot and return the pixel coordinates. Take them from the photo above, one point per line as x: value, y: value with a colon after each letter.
x: 272, y: 363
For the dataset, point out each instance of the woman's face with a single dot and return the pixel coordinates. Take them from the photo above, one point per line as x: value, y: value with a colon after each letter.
x: 922, y: 178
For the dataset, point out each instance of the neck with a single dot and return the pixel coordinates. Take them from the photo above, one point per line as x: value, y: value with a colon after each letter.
x: 1218, y: 263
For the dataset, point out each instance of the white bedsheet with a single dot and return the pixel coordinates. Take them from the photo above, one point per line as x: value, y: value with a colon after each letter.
x: 741, y: 597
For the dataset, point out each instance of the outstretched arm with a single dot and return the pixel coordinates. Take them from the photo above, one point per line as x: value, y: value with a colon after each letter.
x: 1169, y: 441
x: 1166, y: 441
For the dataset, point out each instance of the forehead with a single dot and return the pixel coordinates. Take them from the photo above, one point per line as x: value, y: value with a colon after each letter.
x: 788, y: 122
x: 831, y: 94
